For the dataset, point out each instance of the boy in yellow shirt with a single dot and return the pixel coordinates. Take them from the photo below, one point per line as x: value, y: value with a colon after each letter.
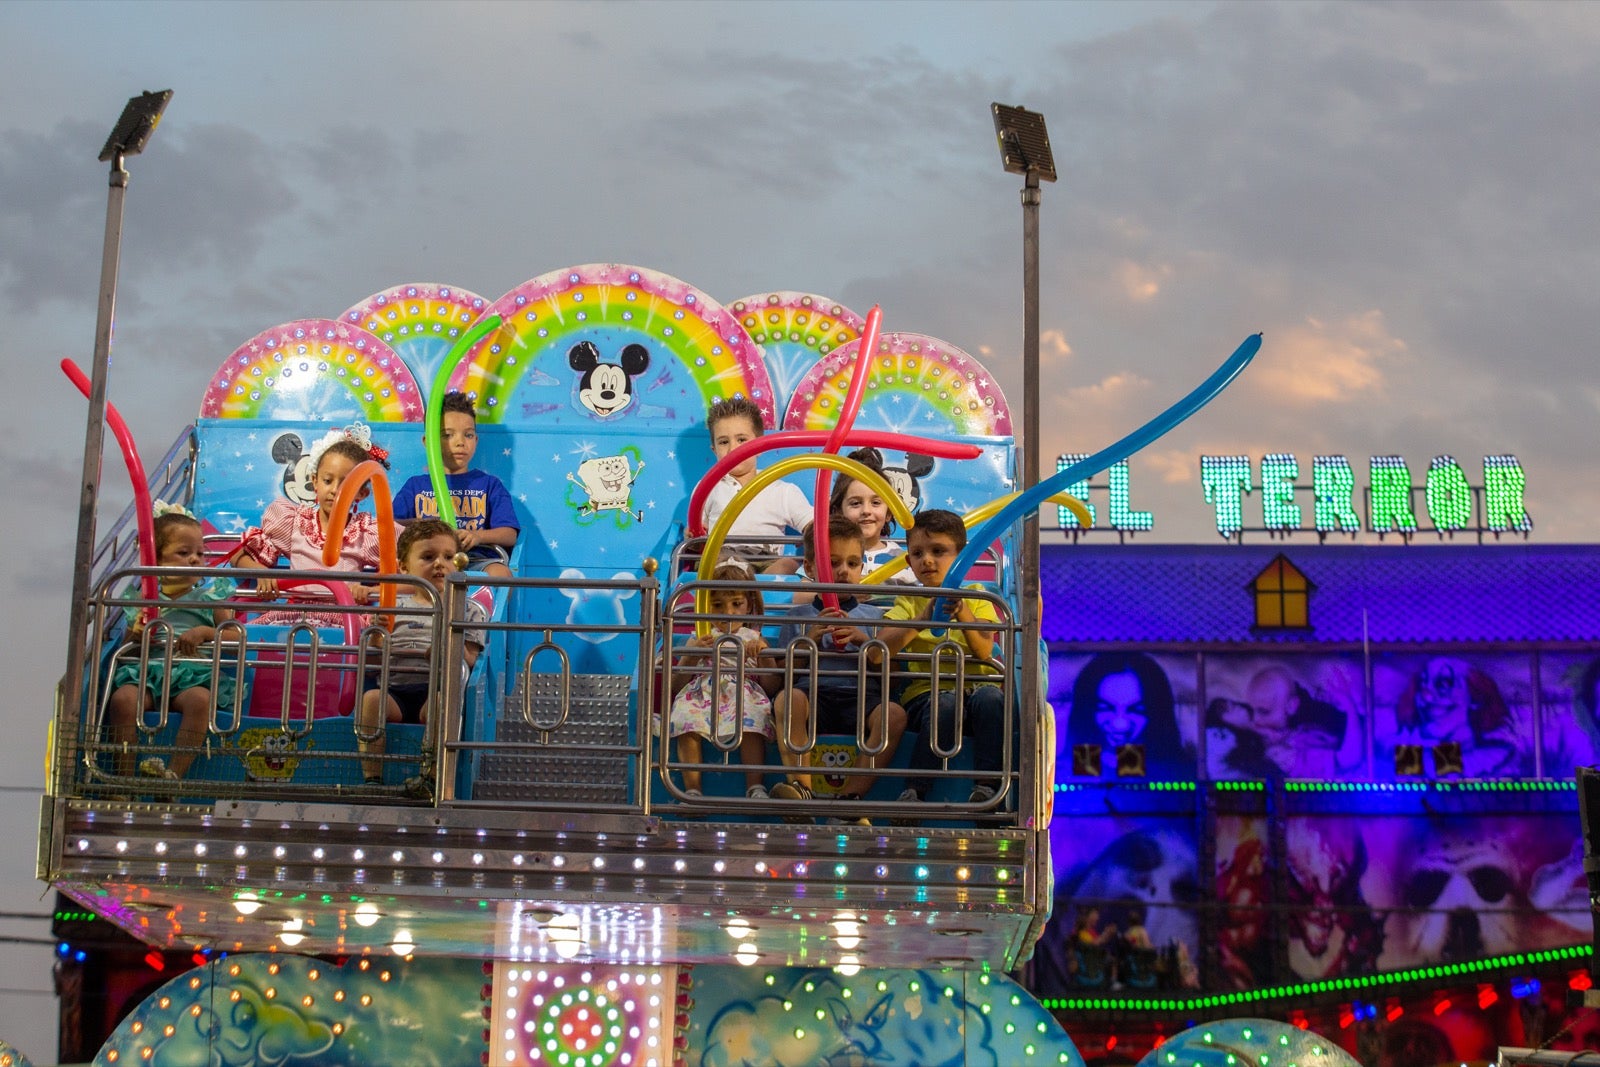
x: 931, y: 547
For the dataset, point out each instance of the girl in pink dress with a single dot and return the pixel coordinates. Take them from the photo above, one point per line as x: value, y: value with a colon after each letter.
x: 299, y: 531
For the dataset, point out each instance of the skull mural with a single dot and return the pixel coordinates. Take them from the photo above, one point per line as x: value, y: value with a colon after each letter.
x: 1332, y: 929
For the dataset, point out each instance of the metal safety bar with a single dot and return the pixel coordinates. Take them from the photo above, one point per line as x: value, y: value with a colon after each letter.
x: 949, y: 667
x: 298, y: 747
x: 561, y: 738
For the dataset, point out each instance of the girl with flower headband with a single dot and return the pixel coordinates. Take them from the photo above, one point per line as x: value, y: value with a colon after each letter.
x: 297, y: 532
x: 190, y: 616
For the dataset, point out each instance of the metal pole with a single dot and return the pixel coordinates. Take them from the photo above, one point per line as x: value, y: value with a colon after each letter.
x: 1031, y: 704
x: 93, y: 445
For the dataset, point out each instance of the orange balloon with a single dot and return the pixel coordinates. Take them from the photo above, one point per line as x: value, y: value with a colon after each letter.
x: 367, y: 472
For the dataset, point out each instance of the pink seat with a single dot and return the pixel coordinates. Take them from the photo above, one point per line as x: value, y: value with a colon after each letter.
x: 335, y: 692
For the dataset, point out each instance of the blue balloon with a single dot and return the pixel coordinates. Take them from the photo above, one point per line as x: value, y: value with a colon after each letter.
x: 1030, y: 500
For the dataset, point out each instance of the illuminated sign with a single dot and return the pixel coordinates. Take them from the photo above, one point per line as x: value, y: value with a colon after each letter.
x: 1393, y: 501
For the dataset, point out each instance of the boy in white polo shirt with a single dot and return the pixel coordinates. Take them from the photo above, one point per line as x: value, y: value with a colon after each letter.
x: 778, y: 509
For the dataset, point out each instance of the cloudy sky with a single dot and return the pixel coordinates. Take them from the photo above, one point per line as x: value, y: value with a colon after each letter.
x: 1400, y: 196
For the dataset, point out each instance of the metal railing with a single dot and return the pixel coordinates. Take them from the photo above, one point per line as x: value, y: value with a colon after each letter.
x: 555, y: 725
x: 556, y: 716
x: 309, y: 742
x: 948, y: 668
x: 172, y: 479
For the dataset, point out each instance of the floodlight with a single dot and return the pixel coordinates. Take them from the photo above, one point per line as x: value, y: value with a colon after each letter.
x: 1024, y: 142
x: 139, y: 120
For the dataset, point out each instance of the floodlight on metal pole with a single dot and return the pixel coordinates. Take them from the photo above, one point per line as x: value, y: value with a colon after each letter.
x: 128, y: 138
x: 1025, y: 150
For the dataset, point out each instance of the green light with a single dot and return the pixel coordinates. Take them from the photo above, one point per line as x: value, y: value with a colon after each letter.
x: 1391, y: 495
x: 1448, y: 495
x: 1279, y: 471
x: 1333, y: 484
x: 1503, y: 483
x: 840, y: 870
x: 1065, y: 518
x: 1123, y: 517
x: 1226, y: 479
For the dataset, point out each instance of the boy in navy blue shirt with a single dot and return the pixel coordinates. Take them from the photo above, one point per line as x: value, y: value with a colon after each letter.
x: 485, y: 516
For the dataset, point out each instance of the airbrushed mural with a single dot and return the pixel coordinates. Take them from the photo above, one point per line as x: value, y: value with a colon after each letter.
x: 591, y: 397
x: 272, y: 1010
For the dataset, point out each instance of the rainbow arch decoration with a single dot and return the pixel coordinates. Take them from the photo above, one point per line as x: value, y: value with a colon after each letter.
x: 419, y: 320
x: 314, y: 370
x: 918, y: 384
x: 794, y: 331
x: 697, y: 351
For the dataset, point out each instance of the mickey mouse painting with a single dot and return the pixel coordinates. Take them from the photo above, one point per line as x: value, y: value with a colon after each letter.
x: 297, y: 469
x: 607, y: 388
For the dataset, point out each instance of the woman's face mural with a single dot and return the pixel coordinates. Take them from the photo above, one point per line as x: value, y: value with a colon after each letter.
x: 1119, y: 709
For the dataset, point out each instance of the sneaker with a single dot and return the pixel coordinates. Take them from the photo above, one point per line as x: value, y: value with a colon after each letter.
x: 758, y: 792
x: 372, y: 779
x: 156, y: 767
x: 418, y: 787
x: 693, y: 794
x: 787, y: 790
x: 981, y: 794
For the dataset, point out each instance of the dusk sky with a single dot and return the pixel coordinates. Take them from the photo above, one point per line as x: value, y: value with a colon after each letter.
x: 1400, y: 196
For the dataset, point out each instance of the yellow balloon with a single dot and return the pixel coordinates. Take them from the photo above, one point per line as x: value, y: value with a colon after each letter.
x: 977, y: 515
x: 719, y: 530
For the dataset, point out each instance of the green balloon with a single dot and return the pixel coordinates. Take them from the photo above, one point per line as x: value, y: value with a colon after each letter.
x: 432, y: 426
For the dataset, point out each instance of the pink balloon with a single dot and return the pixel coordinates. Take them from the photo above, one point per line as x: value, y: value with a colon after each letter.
x: 847, y: 420
x: 143, y: 511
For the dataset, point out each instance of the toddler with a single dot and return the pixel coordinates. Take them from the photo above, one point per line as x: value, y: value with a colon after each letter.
x: 779, y: 508
x: 191, y: 618
x: 298, y: 531
x: 697, y: 714
x: 835, y: 703
x: 485, y: 516
x: 427, y: 549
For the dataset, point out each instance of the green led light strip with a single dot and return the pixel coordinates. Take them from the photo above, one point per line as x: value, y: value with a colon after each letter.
x: 1302, y: 989
x: 1140, y: 784
x: 1476, y: 786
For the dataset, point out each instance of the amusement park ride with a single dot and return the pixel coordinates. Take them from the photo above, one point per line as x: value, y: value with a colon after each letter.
x: 531, y: 881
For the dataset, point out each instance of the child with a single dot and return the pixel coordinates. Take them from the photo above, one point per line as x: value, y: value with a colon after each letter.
x: 779, y: 507
x: 298, y: 531
x: 485, y: 516
x: 427, y: 549
x: 836, y: 697
x: 192, y: 620
x: 858, y: 501
x: 933, y: 544
x: 696, y: 716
